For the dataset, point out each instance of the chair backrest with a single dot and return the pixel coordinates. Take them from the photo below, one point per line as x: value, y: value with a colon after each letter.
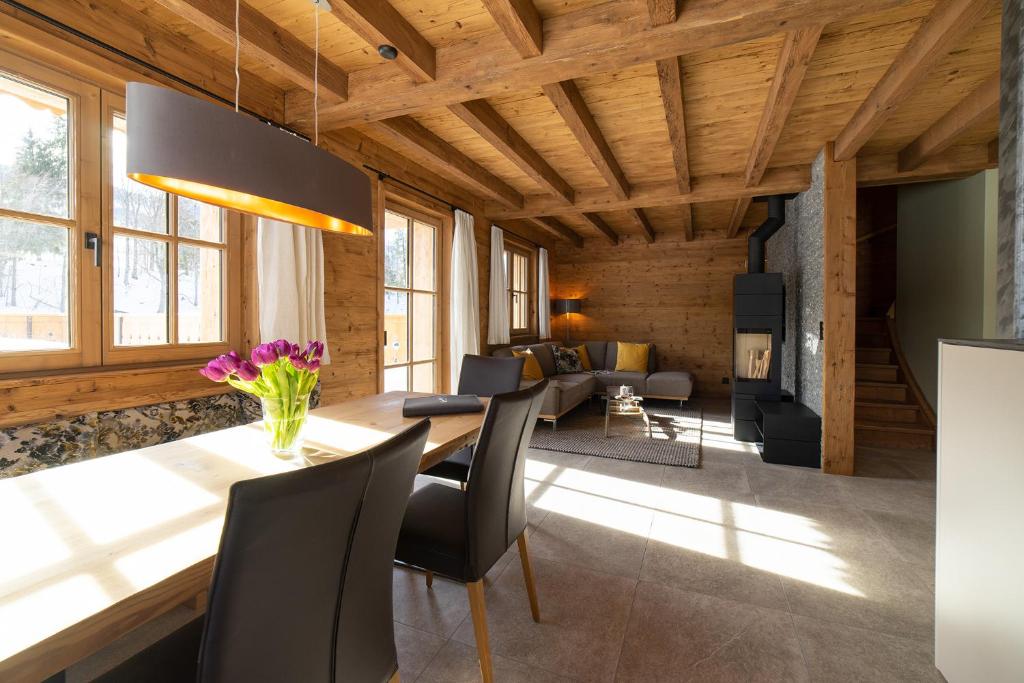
x: 495, y: 495
x: 487, y: 376
x: 301, y: 589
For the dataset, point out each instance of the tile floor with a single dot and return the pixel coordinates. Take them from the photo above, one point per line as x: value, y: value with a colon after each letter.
x: 737, y: 571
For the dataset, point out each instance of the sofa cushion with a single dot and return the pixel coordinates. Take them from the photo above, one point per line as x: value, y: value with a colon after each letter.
x: 566, y: 360
x: 631, y: 357
x: 596, y: 350
x: 531, y: 366
x: 541, y: 351
x: 637, y: 380
x: 564, y: 392
x: 611, y: 356
x: 670, y: 383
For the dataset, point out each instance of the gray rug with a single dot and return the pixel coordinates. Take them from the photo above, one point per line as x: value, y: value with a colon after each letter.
x: 676, y: 434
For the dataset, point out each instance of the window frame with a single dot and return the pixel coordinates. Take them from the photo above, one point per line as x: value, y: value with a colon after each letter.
x: 114, y: 105
x: 513, y: 246
x: 83, y: 216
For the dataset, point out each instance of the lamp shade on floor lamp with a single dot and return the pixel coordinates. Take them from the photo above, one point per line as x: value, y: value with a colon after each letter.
x: 565, y: 307
x: 197, y: 149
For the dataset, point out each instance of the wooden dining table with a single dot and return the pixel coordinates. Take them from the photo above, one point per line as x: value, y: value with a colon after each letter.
x: 91, y: 550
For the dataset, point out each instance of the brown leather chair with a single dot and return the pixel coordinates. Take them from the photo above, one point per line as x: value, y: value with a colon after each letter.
x: 461, y: 534
x: 482, y: 376
x: 301, y: 589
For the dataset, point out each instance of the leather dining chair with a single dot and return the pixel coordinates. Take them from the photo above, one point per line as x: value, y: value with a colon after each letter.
x: 301, y: 587
x: 462, y: 534
x: 482, y: 376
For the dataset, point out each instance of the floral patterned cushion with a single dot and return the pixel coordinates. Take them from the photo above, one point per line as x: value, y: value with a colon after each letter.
x: 566, y: 360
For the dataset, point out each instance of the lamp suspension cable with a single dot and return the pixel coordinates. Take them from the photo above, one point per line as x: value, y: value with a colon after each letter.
x: 238, y: 50
x: 316, y: 75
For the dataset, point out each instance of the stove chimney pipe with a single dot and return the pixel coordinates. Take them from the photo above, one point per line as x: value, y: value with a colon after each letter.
x: 776, y: 219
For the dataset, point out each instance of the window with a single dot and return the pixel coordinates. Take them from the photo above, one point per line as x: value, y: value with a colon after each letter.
x: 412, y: 246
x: 159, y: 286
x: 519, y: 276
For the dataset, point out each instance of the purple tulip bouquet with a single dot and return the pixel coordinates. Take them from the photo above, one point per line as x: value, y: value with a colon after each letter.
x: 282, y: 376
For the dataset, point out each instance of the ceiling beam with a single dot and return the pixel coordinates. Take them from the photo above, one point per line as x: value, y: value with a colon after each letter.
x: 780, y: 180
x: 661, y: 11
x: 482, y: 118
x: 941, y: 31
x: 982, y: 103
x: 958, y: 161
x: 688, y: 222
x: 521, y: 24
x: 646, y: 229
x: 670, y: 80
x: 599, y: 224
x: 594, y: 39
x: 569, y: 102
x: 378, y: 23
x: 993, y: 151
x: 560, y: 229
x: 790, y: 69
x: 407, y: 132
x: 264, y: 40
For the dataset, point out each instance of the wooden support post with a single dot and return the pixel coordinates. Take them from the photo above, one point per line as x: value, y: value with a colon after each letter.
x: 840, y: 313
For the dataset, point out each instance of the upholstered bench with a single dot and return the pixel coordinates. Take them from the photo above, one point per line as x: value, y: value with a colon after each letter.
x: 675, y: 384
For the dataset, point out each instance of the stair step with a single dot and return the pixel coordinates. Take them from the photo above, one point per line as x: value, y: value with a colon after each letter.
x: 881, y: 391
x: 872, y: 325
x: 878, y: 372
x: 887, y: 412
x: 880, y: 354
x: 876, y: 339
x: 874, y: 425
x: 892, y: 435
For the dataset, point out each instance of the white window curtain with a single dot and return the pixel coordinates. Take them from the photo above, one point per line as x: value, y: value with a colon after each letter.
x: 290, y: 271
x: 543, y: 303
x: 497, y: 316
x: 465, y: 295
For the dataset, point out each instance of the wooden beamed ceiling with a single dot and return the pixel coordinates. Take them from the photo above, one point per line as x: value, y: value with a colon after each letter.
x: 607, y: 120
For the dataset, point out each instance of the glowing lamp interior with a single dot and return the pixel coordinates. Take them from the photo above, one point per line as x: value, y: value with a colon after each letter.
x: 251, y: 204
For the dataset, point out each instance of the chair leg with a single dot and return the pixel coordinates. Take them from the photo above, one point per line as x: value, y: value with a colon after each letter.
x: 479, y: 613
x: 462, y: 486
x: 430, y: 579
x: 394, y: 679
x: 531, y: 588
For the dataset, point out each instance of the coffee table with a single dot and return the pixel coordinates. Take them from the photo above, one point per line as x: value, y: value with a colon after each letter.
x: 623, y: 406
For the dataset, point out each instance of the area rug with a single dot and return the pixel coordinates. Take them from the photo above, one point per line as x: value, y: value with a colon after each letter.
x: 676, y: 435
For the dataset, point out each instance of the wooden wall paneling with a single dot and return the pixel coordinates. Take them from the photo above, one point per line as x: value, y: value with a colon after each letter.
x: 264, y: 40
x: 840, y: 311
x: 593, y: 39
x: 968, y: 112
x: 481, y: 117
x: 947, y: 24
x: 521, y: 24
x: 670, y: 79
x: 378, y: 23
x: 678, y: 296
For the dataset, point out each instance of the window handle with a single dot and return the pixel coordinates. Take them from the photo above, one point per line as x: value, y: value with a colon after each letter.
x: 93, y: 241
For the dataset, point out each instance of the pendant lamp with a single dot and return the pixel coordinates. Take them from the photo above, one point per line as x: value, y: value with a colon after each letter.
x: 197, y: 149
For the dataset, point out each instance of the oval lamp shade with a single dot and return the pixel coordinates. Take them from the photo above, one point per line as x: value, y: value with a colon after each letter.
x: 204, y: 151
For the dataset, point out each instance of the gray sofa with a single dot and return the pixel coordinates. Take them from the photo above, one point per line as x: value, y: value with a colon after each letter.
x: 567, y: 391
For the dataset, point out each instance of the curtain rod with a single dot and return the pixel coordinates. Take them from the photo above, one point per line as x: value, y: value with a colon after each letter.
x: 384, y: 175
x: 143, y: 63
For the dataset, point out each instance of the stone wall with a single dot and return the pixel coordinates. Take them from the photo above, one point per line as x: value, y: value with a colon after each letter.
x: 1010, y: 274
x: 797, y: 251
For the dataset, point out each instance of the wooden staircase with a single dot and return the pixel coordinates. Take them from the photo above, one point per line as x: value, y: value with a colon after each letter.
x: 888, y: 413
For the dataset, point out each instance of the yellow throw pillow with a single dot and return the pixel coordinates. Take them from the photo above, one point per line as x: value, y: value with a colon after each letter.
x: 631, y: 357
x: 531, y: 368
x: 581, y: 351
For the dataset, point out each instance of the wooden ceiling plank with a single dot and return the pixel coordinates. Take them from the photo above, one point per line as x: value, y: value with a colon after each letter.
x: 559, y: 228
x: 670, y: 80
x: 482, y: 118
x: 378, y: 23
x: 646, y: 229
x: 944, y: 27
x: 739, y: 211
x: 594, y: 39
x: 976, y: 107
x: 662, y: 11
x: 407, y: 130
x: 959, y: 161
x: 521, y: 24
x: 601, y: 226
x: 264, y: 40
x: 781, y: 180
x: 573, y: 109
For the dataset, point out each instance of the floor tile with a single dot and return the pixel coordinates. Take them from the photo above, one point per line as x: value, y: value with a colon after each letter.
x: 677, y: 635
x: 841, y: 654
x: 458, y: 663
x: 583, y: 619
x: 911, y: 535
x: 415, y: 650
x: 438, y: 610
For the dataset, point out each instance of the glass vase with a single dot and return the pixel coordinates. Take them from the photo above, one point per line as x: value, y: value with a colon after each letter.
x: 283, y: 421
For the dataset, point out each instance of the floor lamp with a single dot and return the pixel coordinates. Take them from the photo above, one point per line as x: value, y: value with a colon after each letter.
x: 565, y: 307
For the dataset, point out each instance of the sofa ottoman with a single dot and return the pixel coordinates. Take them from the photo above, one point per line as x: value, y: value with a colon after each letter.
x: 669, y: 384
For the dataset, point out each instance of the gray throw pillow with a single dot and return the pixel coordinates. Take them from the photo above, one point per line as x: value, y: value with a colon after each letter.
x: 566, y: 360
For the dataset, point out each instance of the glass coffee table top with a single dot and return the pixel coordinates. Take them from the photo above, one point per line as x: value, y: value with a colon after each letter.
x: 625, y: 406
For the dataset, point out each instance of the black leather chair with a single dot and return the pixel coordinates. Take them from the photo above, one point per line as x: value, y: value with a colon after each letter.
x: 483, y: 376
x: 461, y: 534
x: 301, y: 588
